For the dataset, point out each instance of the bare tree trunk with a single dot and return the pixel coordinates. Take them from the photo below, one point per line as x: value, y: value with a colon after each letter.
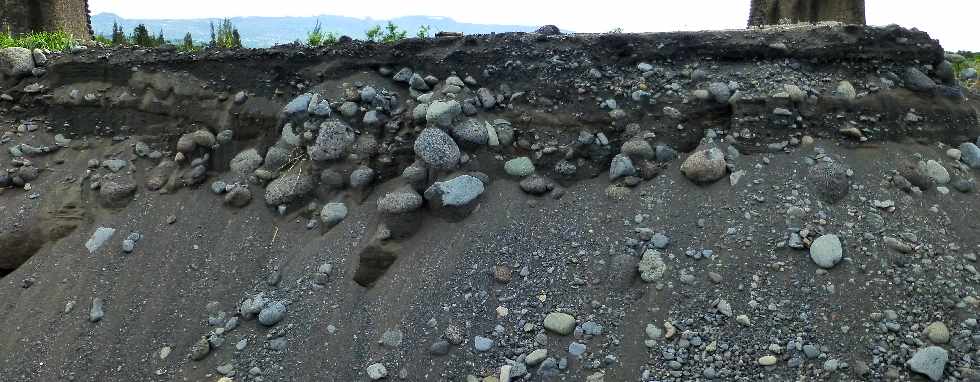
x: 24, y: 16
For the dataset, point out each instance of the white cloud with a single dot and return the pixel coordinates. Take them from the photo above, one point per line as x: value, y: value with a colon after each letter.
x: 950, y: 21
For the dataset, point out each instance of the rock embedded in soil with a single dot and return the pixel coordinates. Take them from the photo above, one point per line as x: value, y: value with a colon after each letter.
x: 456, y: 192
x: 917, y: 81
x: 238, y: 196
x: 720, y: 92
x: 536, y: 357
x: 332, y: 141
x: 970, y: 154
x: 442, y: 113
x: 767, y: 360
x: 376, y: 371
x: 333, y: 213
x: 621, y: 166
x: 401, y: 200
x: 482, y: 344
x: 938, y: 333
x: 437, y: 149
x: 16, y: 61
x: 200, y: 349
x: 246, y: 162
x: 97, y: 311
x: 559, y: 323
x: 929, y: 361
x: 826, y: 251
x: 98, y: 238
x: 298, y: 105
x: 191, y: 141
x: 829, y: 181
x: 272, y: 313
x: 638, y: 148
x: 936, y: 172
x: 536, y: 185
x: 472, y: 131
x: 519, y: 167
x: 705, y: 166
x: 116, y: 192
x: 651, y: 266
x: 288, y: 188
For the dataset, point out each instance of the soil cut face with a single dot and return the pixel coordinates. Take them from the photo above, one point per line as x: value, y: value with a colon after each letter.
x: 790, y: 203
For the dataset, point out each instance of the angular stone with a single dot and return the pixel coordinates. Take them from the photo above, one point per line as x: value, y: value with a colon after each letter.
x: 459, y: 191
x: 929, y: 361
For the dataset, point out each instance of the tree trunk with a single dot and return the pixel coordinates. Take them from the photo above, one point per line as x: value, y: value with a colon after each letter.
x: 25, y: 16
x: 767, y: 12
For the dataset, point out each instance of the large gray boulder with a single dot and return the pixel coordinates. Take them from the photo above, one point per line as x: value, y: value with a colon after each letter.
x: 621, y: 166
x: 288, y: 188
x: 471, y: 130
x: 705, y: 166
x: 246, y: 162
x: 399, y: 201
x: 826, y: 251
x: 116, y: 192
x: 720, y: 92
x: 917, y: 81
x: 456, y: 192
x: 333, y: 213
x: 298, y: 105
x: 16, y: 61
x: 929, y: 361
x: 829, y: 181
x: 332, y: 141
x: 970, y: 154
x: 437, y: 149
x: 442, y: 113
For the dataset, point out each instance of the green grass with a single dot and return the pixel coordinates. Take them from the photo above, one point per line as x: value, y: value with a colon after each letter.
x: 53, y: 41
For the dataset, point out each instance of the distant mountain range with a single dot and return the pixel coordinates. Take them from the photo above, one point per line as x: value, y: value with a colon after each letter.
x: 259, y: 32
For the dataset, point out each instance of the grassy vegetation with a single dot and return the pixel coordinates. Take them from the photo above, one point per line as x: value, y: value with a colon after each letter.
x: 53, y: 41
x: 317, y: 37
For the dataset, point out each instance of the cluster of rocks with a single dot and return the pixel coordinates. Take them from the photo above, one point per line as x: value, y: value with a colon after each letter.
x: 19, y: 62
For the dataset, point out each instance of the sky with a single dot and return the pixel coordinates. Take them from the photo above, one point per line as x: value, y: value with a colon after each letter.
x: 952, y: 22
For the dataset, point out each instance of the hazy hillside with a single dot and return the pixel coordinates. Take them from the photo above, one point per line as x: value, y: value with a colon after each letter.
x: 267, y: 31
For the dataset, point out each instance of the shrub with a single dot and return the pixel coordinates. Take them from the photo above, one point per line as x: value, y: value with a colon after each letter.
x: 373, y: 33
x: 389, y: 34
x: 423, y: 31
x: 226, y: 36
x: 392, y: 33
x: 188, y: 45
x: 118, y: 36
x: 317, y: 37
x: 141, y: 36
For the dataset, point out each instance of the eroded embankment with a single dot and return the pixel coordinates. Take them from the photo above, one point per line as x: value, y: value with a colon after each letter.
x: 390, y: 151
